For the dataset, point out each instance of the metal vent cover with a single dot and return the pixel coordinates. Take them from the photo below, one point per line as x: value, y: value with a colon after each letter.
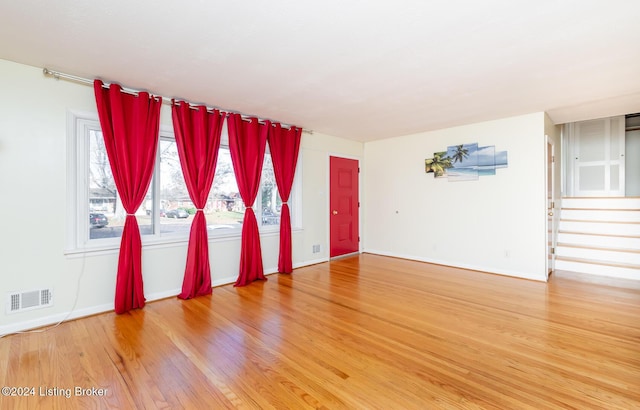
x: 29, y: 300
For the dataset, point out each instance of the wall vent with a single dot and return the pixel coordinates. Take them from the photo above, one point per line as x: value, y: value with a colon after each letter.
x: 29, y: 300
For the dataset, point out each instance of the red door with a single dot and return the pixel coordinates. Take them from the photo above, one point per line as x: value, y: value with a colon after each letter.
x: 344, y: 206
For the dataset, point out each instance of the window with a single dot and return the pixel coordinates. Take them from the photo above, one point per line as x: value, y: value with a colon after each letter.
x: 225, y: 209
x: 97, y: 215
x: 269, y: 198
x: 174, y: 206
x: 106, y: 212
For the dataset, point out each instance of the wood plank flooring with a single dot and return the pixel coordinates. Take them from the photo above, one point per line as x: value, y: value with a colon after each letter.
x: 364, y: 332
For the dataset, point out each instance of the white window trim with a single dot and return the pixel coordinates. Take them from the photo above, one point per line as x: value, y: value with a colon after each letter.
x: 77, y: 216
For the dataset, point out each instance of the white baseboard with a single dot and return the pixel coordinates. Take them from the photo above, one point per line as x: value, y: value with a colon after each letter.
x: 162, y: 295
x: 53, y: 320
x: 514, y: 274
x: 309, y: 263
x: 224, y: 281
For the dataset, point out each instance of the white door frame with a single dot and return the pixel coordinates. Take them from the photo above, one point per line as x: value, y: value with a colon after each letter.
x: 551, y: 205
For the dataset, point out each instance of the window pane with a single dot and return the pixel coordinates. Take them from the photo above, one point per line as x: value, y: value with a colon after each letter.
x: 271, y: 204
x: 103, y: 198
x: 176, y: 207
x: 225, y: 210
x: 592, y: 141
x: 592, y: 178
x: 614, y: 178
x: 106, y: 212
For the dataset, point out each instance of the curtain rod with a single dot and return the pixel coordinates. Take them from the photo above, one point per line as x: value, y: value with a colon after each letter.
x: 58, y: 75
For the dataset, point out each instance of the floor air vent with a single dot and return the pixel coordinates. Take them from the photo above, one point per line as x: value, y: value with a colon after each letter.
x: 33, y: 299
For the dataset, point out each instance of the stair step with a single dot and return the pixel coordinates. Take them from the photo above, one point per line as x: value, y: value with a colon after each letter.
x: 581, y: 265
x: 602, y: 203
x: 598, y: 227
x: 599, y: 236
x: 601, y: 263
x: 599, y: 255
x: 602, y: 215
x: 601, y: 222
x: 602, y: 209
x: 599, y: 240
x: 598, y: 247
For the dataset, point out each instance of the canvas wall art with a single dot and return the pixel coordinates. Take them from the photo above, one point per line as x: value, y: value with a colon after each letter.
x: 466, y: 162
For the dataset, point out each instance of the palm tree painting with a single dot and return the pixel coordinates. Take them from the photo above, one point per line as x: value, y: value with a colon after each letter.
x: 438, y: 164
x: 460, y: 153
x: 465, y: 162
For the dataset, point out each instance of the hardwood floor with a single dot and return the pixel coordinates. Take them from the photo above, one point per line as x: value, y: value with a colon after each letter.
x: 365, y: 332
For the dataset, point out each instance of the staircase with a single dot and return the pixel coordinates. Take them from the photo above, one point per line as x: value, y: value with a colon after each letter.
x: 600, y: 236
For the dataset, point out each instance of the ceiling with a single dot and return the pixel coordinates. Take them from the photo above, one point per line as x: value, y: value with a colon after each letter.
x: 358, y: 69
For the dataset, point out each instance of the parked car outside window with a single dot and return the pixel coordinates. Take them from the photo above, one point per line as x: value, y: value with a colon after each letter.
x: 97, y: 220
x: 177, y: 213
x: 269, y: 218
x: 162, y: 212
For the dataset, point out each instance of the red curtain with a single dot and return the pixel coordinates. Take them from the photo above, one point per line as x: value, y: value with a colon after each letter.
x: 130, y: 125
x: 284, y: 145
x: 247, y: 143
x: 197, y: 134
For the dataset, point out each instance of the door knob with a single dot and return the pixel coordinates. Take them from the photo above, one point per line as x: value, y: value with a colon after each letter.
x: 550, y: 213
x: 335, y: 212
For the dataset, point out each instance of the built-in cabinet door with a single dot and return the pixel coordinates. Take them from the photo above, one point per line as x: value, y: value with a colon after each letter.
x: 599, y: 157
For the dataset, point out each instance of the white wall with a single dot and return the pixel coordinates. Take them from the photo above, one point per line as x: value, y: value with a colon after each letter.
x: 33, y: 203
x: 495, y: 224
x: 316, y: 152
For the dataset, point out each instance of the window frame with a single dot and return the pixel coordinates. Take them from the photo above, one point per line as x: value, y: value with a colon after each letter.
x: 79, y: 125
